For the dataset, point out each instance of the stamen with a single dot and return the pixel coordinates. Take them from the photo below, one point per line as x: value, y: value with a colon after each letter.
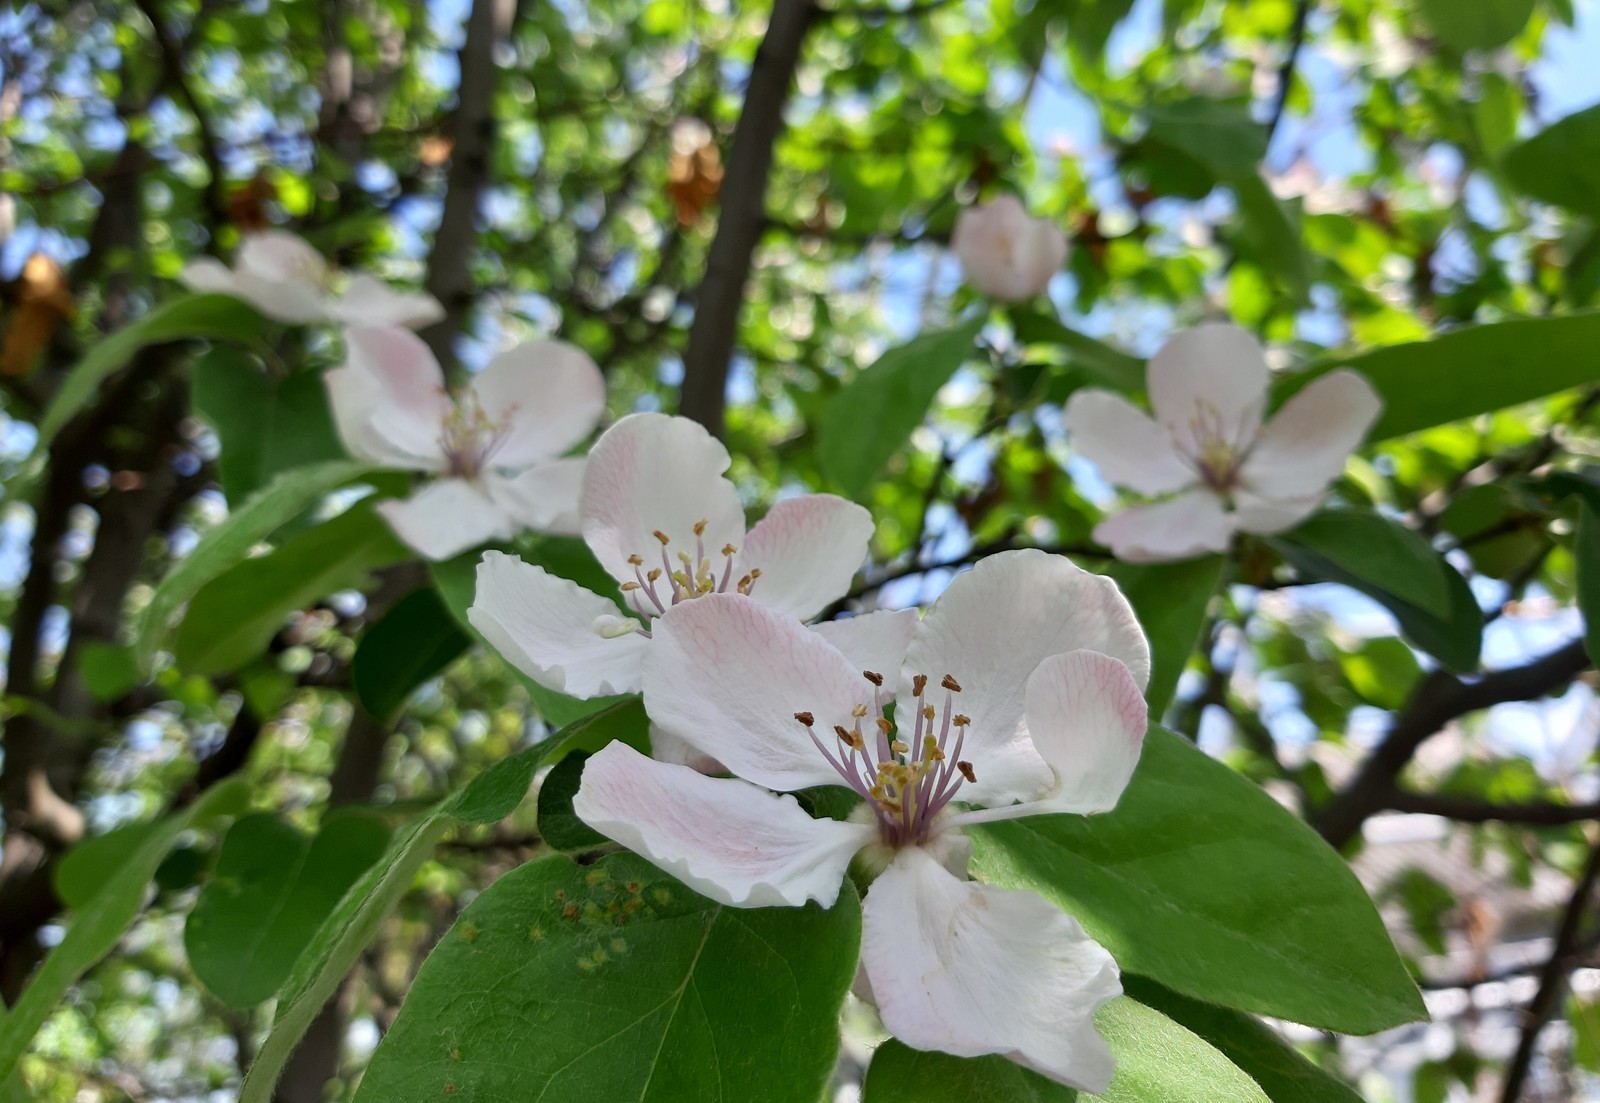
x: 967, y: 771
x: 805, y: 718
x: 661, y: 536
x: 919, y: 682
x: 875, y: 678
x: 636, y: 560
x: 700, y: 527
x: 951, y: 684
x: 859, y: 711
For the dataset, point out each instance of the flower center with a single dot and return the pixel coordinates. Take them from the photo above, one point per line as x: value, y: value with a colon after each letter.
x: 682, y: 576
x: 1215, y: 448
x: 906, y: 782
x: 470, y: 438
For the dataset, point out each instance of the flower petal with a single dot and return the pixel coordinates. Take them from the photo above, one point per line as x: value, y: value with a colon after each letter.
x: 1269, y: 515
x: 969, y: 969
x: 1128, y: 447
x: 447, y: 516
x: 1215, y: 372
x: 292, y: 301
x: 668, y: 748
x: 989, y: 630
x: 807, y: 549
x: 388, y: 398
x: 1003, y: 252
x: 1194, y: 523
x: 544, y: 497
x: 371, y: 302
x: 281, y: 257
x: 1306, y: 444
x: 727, y: 675
x: 562, y: 636
x: 725, y: 838
x: 652, y: 473
x: 1087, y: 718
x: 875, y: 641
x: 548, y: 394
x: 207, y: 276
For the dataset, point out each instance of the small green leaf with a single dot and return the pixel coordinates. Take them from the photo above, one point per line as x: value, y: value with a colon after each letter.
x: 900, y: 1074
x: 1159, y: 1060
x: 1384, y: 554
x: 85, y: 869
x: 232, y: 540
x: 263, y: 426
x: 871, y: 417
x: 1201, y: 881
x: 272, y: 888
x: 108, y: 671
x: 234, y: 616
x: 626, y: 986
x: 1111, y: 366
x: 1220, y: 134
x: 414, y: 641
x: 1476, y: 24
x: 559, y: 825
x: 1170, y: 600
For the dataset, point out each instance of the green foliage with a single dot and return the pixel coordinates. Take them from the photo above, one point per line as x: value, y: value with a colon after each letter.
x: 413, y: 642
x: 1559, y: 164
x: 264, y: 426
x: 900, y: 1074
x: 272, y: 887
x: 1171, y: 601
x: 1477, y: 24
x: 633, y: 987
x: 1202, y: 882
x: 1383, y: 554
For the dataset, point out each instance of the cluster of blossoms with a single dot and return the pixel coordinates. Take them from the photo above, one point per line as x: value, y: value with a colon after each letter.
x: 1019, y: 693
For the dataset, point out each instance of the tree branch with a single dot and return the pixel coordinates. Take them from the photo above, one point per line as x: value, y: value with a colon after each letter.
x: 1539, y: 813
x: 1297, y: 39
x: 739, y: 225
x: 1440, y: 698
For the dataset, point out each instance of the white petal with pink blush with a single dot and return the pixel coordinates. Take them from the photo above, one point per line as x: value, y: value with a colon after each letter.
x: 1210, y: 448
x: 1005, y: 253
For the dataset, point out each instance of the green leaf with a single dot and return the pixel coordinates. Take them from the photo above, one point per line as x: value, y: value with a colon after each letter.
x: 414, y: 641
x: 1159, y: 1060
x: 272, y: 888
x: 900, y: 1074
x: 1454, y: 639
x: 565, y: 557
x: 559, y: 825
x: 1201, y: 881
x: 210, y: 316
x: 1384, y: 554
x: 1476, y: 24
x: 1270, y: 233
x: 232, y: 540
x: 626, y: 986
x: 871, y: 417
x: 263, y: 426
x: 98, y: 924
x: 1112, y: 366
x: 1469, y: 371
x: 109, y: 671
x: 1170, y: 600
x: 1090, y: 23
x: 1250, y: 1044
x: 1220, y: 134
x: 84, y: 870
x: 1588, y: 560
x: 487, y: 798
x: 234, y: 616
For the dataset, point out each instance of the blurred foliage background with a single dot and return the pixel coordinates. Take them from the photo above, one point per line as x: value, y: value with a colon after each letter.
x: 1335, y: 177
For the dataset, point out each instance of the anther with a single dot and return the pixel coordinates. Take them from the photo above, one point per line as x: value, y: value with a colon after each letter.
x: 661, y: 536
x: 898, y: 747
x: 918, y: 684
x: 951, y: 684
x: 755, y: 573
x: 927, y: 713
x: 653, y: 574
x: 636, y: 560
x: 966, y: 771
x: 859, y: 711
x: 805, y: 718
x: 875, y: 678
x: 930, y: 749
x: 960, y: 721
x: 884, y: 726
x: 629, y: 587
x: 700, y: 528
x: 728, y: 549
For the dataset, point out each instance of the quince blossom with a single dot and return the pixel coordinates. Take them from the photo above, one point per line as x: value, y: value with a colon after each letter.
x: 495, y: 449
x: 1022, y: 684
x: 1208, y: 448
x: 1005, y: 253
x: 663, y: 521
x: 283, y: 277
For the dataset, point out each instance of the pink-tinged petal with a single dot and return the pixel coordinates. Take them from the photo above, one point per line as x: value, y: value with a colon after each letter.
x: 562, y: 636
x: 807, y: 549
x: 543, y: 498
x: 281, y: 257
x: 968, y: 969
x: 728, y: 675
x: 875, y: 641
x: 445, y: 517
x: 1003, y: 252
x: 1194, y: 523
x: 652, y: 473
x: 668, y: 748
x: 1267, y: 515
x: 388, y: 398
x: 371, y: 302
x: 1306, y: 444
x: 989, y: 630
x: 1087, y: 719
x: 1128, y: 447
x: 1210, y: 379
x: 293, y: 301
x: 547, y: 394
x: 725, y: 838
x: 207, y: 276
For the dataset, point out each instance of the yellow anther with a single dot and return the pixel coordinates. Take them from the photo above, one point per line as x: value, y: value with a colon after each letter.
x: 683, y: 557
x: 700, y: 528
x: 930, y: 749
x: 628, y: 587
x: 755, y: 573
x: 661, y: 536
x: 951, y: 684
x: 927, y: 713
x: 728, y: 549
x: 884, y: 726
x: 960, y: 721
x: 898, y: 747
x: 636, y: 560
x: 681, y: 579
x: 859, y: 711
x: 653, y: 574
